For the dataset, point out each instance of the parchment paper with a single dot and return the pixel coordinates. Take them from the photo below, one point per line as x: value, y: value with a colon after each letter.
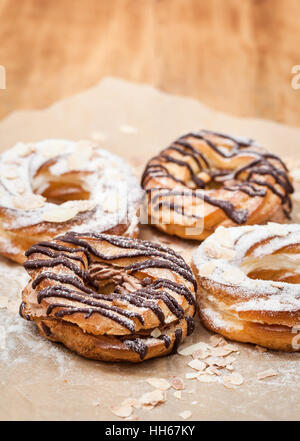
x: 42, y: 380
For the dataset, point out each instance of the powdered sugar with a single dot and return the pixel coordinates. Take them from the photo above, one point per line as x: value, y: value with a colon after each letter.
x: 101, y: 173
x: 256, y: 294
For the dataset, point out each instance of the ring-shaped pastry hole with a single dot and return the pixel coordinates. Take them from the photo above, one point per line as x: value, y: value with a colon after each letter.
x: 279, y: 267
x: 58, y: 189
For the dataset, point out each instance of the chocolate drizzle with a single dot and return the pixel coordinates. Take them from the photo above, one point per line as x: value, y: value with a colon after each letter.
x: 246, y: 179
x: 177, y: 341
x: 69, y: 272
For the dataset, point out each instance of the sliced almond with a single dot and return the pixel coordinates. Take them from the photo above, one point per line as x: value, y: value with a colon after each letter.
x: 207, y: 269
x: 201, y: 354
x: 207, y: 378
x: 235, y: 378
x: 216, y: 361
x: 132, y: 402
x: 29, y: 201
x: 266, y: 374
x: 77, y: 160
x: 177, y: 383
x: 121, y: 411
x: 223, y: 237
x: 159, y: 383
x: 189, y: 350
x: 155, y: 333
x: 153, y: 398
x: 185, y: 414
x: 212, y: 370
x: 178, y: 394
x: 233, y: 276
x: 198, y: 365
x: 56, y: 148
x: 192, y: 375
x: 217, y: 340
x: 60, y: 214
x: 217, y: 252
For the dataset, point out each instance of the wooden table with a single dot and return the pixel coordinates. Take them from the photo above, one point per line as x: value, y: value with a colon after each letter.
x: 233, y: 55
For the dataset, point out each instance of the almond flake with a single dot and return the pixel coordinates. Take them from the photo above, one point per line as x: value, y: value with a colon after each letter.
x: 153, y: 398
x: 211, y: 370
x: 231, y: 347
x: 223, y: 237
x: 77, y: 160
x: 178, y: 394
x: 206, y: 378
x: 228, y: 385
x: 177, y: 383
x: 3, y: 302
x: 185, y: 414
x: 201, y: 354
x: 155, y: 333
x: 55, y: 149
x: 229, y: 360
x: 221, y: 351
x: 266, y: 374
x: 121, y: 411
x: 216, y: 361
x: 217, y: 340
x: 207, y: 269
x: 219, y: 253
x: 189, y: 350
x: 23, y: 150
x: 132, y: 402
x: 234, y: 276
x: 192, y: 375
x: 29, y: 201
x: 198, y: 365
x: 159, y: 383
x: 235, y: 378
x: 60, y: 214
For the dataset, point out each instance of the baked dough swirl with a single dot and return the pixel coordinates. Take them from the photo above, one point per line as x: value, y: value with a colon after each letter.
x: 207, y: 179
x: 52, y: 186
x: 249, y: 284
x: 108, y: 297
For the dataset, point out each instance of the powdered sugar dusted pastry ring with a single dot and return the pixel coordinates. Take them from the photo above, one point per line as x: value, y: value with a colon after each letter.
x: 207, y: 179
x: 108, y: 297
x: 52, y: 186
x: 249, y: 284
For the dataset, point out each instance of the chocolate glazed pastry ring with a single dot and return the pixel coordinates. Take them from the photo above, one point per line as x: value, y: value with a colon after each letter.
x: 108, y: 297
x: 249, y: 284
x: 53, y: 186
x: 207, y: 179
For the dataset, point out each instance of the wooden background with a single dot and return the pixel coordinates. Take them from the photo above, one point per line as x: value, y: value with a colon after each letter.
x: 233, y: 55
